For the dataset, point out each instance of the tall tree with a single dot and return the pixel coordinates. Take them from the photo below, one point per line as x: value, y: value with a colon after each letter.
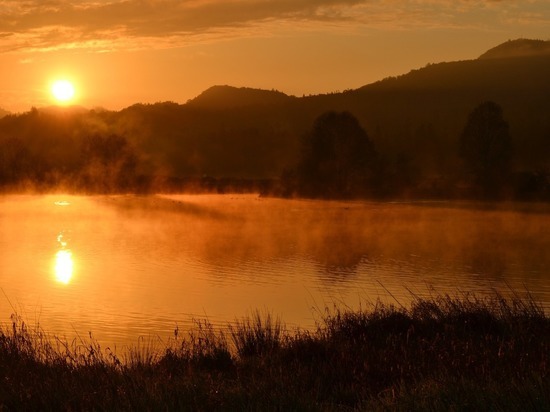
x: 486, y: 147
x: 337, y: 158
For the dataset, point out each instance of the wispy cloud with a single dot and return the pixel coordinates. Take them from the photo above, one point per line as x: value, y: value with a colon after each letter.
x: 103, y: 25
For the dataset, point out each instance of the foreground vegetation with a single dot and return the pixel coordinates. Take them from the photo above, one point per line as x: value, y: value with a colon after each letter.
x: 442, y: 353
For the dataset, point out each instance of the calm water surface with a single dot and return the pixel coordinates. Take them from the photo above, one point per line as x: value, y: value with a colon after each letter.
x: 129, y: 266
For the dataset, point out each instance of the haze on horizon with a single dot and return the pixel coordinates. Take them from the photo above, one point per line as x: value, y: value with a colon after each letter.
x: 120, y: 52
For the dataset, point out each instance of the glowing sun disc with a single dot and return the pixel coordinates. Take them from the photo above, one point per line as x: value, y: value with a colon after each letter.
x: 63, y: 90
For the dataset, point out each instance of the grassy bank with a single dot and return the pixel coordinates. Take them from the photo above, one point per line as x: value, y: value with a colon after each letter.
x: 442, y: 353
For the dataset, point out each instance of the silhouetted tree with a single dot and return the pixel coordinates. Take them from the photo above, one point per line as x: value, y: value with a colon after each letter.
x: 486, y: 147
x: 337, y: 158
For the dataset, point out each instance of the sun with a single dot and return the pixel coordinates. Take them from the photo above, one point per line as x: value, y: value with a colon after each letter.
x: 63, y: 91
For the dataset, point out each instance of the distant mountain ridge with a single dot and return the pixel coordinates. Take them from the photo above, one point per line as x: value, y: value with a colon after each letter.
x: 414, y: 121
x: 518, y: 48
x: 418, y: 115
x: 227, y: 96
x: 478, y: 75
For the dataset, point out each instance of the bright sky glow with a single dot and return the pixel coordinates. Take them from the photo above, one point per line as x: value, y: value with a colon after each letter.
x: 129, y: 51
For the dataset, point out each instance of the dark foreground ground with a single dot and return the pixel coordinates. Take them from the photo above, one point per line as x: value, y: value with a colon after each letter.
x: 442, y: 353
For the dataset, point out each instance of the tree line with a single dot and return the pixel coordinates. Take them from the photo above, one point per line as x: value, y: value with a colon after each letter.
x: 335, y: 158
x: 339, y: 160
x: 46, y: 154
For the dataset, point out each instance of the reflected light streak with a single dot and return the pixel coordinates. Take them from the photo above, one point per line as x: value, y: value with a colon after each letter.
x: 61, y: 241
x: 63, y: 266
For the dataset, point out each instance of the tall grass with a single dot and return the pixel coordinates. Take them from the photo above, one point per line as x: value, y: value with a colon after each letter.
x: 256, y: 335
x: 443, y: 353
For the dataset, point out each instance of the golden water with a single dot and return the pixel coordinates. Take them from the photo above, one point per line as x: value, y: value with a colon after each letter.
x: 129, y: 266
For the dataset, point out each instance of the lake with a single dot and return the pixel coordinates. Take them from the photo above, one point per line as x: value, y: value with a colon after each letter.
x: 125, y: 267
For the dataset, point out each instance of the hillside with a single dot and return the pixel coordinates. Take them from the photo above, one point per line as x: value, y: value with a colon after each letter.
x: 218, y: 97
x: 518, y: 48
x: 439, y: 97
x: 243, y: 132
x: 226, y: 132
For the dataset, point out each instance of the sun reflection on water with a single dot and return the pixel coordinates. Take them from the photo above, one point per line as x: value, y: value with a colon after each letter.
x: 64, y: 266
x: 64, y: 262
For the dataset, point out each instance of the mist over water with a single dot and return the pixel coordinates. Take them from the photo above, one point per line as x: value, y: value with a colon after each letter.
x: 129, y: 266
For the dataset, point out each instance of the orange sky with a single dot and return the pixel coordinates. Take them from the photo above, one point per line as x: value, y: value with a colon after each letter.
x: 120, y: 52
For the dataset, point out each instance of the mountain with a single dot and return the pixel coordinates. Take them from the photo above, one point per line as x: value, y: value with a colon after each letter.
x: 439, y: 97
x: 414, y: 120
x: 3, y: 112
x: 243, y: 132
x: 218, y: 97
x: 518, y: 48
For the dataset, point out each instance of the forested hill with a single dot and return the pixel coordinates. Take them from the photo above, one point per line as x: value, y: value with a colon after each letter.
x: 229, y: 132
x: 518, y: 48
x: 400, y: 111
x: 219, y: 97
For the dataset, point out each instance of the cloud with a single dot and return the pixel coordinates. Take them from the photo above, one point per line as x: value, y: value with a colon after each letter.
x: 43, y: 25
x: 103, y: 25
